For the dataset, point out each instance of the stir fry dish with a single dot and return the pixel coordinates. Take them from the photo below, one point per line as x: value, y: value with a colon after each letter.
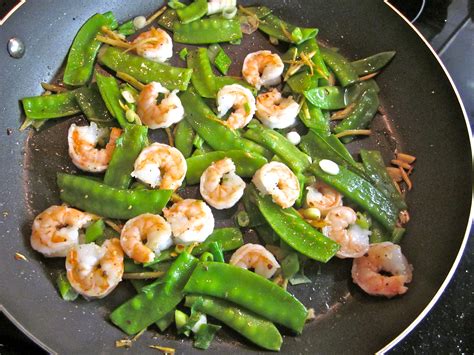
x: 269, y: 146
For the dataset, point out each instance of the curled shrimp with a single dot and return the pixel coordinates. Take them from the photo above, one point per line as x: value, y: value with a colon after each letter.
x: 322, y: 197
x: 162, y: 115
x: 276, y: 111
x: 155, y: 45
x: 190, y: 220
x: 56, y: 230
x: 262, y: 68
x: 220, y: 186
x: 255, y: 256
x: 342, y: 228
x: 83, y: 141
x: 278, y: 181
x: 146, y: 227
x: 386, y: 257
x: 160, y: 165
x: 241, y: 100
x: 94, y: 271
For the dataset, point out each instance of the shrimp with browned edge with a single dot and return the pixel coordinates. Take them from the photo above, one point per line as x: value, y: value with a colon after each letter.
x: 262, y: 68
x: 323, y: 197
x: 241, y: 100
x: 155, y: 45
x: 255, y: 256
x: 276, y: 111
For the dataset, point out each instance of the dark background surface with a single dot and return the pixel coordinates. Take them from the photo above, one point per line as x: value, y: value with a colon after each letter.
x: 448, y: 327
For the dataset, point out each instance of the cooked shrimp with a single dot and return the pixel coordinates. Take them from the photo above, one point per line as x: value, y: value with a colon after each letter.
x: 342, y: 228
x: 94, y: 271
x: 83, y: 141
x: 386, y: 257
x: 220, y: 186
x: 160, y: 165
x: 276, y: 111
x: 191, y: 221
x: 146, y: 227
x: 255, y: 256
x: 278, y: 181
x: 241, y: 100
x: 262, y: 68
x: 56, y: 230
x: 162, y: 115
x: 322, y: 197
x: 154, y: 44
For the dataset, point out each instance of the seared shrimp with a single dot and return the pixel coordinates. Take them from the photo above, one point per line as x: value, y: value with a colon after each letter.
x: 220, y: 186
x: 262, y: 68
x: 162, y: 115
x: 56, y: 230
x: 276, y: 111
x: 386, y: 257
x: 255, y: 256
x: 83, y: 141
x: 241, y: 100
x: 160, y: 165
x: 342, y: 228
x: 94, y: 271
x: 147, y: 227
x: 278, y: 181
x: 154, y: 44
x: 322, y: 197
x: 191, y: 221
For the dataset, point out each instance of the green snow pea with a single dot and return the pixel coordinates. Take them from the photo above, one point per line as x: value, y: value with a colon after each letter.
x: 51, y: 106
x: 310, y: 46
x: 246, y: 163
x: 127, y: 28
x: 80, y: 60
x: 327, y: 97
x: 184, y: 137
x: 65, y: 289
x: 94, y: 231
x: 354, y: 91
x: 205, y: 335
x: 95, y: 197
x: 313, y: 117
x: 91, y: 104
x: 207, y: 31
x: 255, y: 328
x: 342, y: 68
x: 203, y: 76
x: 301, y: 82
x: 168, y: 19
x: 220, y: 59
x: 110, y: 92
x: 250, y: 205
x: 145, y: 70
x: 373, y: 63
x: 192, y: 12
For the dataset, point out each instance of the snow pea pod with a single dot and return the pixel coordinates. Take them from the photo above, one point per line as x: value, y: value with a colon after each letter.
x: 301, y: 82
x: 145, y: 70
x: 127, y: 28
x: 221, y: 81
x: 95, y: 197
x: 168, y: 19
x: 80, y: 60
x: 246, y: 163
x: 148, y: 307
x: 192, y: 12
x: 255, y: 328
x: 91, y: 103
x: 207, y: 31
x: 50, y: 106
x: 184, y: 137
x: 249, y: 290
x: 373, y: 63
x: 354, y: 92
x: 327, y: 97
x: 110, y: 92
x: 342, y: 68
x: 361, y: 192
x: 127, y: 149
x: 313, y: 117
x: 203, y: 76
x: 310, y: 46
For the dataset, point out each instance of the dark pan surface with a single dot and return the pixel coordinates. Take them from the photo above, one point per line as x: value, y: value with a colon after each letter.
x: 423, y: 118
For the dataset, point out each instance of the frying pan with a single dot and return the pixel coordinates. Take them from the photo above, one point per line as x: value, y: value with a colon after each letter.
x: 424, y: 117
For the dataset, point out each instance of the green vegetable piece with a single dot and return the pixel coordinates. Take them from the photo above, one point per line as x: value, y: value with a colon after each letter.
x: 290, y: 265
x: 310, y: 46
x: 96, y: 197
x: 110, y: 92
x: 267, y: 234
x: 255, y: 328
x: 354, y: 91
x: 327, y: 97
x: 248, y: 290
x: 203, y: 77
x: 259, y: 11
x: 205, y: 335
x: 65, y: 289
x: 127, y: 28
x: 301, y: 82
x: 148, y: 307
x: 221, y: 81
x: 168, y: 19
x: 184, y: 137
x: 243, y: 219
x: 397, y: 235
x: 145, y: 70
x: 246, y: 163
x: 192, y: 12
x: 176, y: 4
x: 180, y: 319
x: 373, y: 63
x: 183, y: 53
x: 342, y: 68
x: 206, y: 256
x: 164, y: 322
x: 80, y: 60
x: 91, y: 104
x: 253, y: 213
x: 206, y: 31
x: 299, y: 279
x: 313, y: 117
x: 363, y: 221
x: 127, y: 148
x: 51, y: 106
x: 283, y: 31
x: 94, y: 231
x: 221, y: 60
x: 216, y: 251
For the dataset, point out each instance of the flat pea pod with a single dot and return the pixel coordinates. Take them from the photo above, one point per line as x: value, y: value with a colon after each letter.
x: 249, y: 290
x: 95, y: 197
x: 207, y: 31
x: 313, y: 117
x: 80, y: 60
x: 310, y: 46
x: 94, y: 231
x: 362, y: 114
x: 168, y: 19
x: 255, y: 328
x: 51, y: 106
x: 354, y: 91
x: 255, y: 217
x: 184, y: 137
x: 275, y: 27
x: 296, y: 232
x: 110, y: 92
x: 148, y: 307
x: 192, y: 12
x: 246, y: 163
x: 373, y: 63
x: 327, y: 97
x: 203, y: 78
x: 301, y: 82
x: 90, y: 101
x: 127, y: 148
x: 221, y: 81
x: 259, y: 11
x: 342, y: 68
x: 145, y: 70
x: 127, y: 28
x: 361, y: 192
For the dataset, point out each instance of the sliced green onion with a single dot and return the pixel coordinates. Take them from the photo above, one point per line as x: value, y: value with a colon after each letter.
x: 65, y: 288
x: 243, y: 219
x: 204, y: 336
x: 183, y: 53
x: 206, y: 256
x: 94, y: 231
